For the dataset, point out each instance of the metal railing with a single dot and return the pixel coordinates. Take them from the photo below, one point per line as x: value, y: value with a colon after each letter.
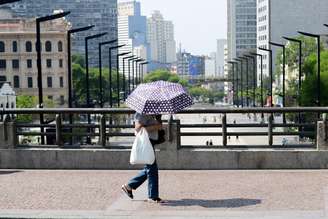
x: 102, y: 129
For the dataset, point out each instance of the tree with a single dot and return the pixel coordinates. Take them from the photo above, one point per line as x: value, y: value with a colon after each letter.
x: 165, y: 75
x: 24, y: 101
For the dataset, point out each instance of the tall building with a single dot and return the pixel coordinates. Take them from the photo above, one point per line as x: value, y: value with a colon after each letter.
x: 280, y: 18
x: 189, y: 66
x: 132, y: 31
x: 241, y: 27
x: 18, y: 58
x: 160, y: 36
x: 101, y: 13
x: 210, y: 68
x: 221, y: 44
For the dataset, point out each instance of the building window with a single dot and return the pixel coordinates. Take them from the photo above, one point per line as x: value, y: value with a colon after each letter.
x: 30, y: 82
x: 60, y: 46
x: 15, y: 49
x: 3, y: 78
x: 15, y: 64
x: 62, y: 100
x: 29, y: 63
x: 48, y: 46
x: 2, y: 46
x: 16, y: 81
x: 28, y: 46
x: 61, y: 82
x: 3, y: 64
x: 60, y: 63
x: 49, y: 82
x: 49, y: 63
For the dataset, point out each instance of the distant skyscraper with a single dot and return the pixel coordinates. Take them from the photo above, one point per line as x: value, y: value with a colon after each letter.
x: 221, y: 44
x: 101, y: 13
x: 284, y: 18
x: 160, y: 36
x: 132, y: 30
x: 241, y: 27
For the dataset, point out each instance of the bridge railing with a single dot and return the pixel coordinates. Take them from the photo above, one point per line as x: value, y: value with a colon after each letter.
x: 112, y: 123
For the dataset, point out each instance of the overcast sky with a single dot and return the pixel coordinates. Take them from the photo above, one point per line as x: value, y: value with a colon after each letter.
x: 198, y: 23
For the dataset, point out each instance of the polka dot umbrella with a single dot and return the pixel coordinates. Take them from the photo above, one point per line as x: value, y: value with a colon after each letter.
x: 159, y: 97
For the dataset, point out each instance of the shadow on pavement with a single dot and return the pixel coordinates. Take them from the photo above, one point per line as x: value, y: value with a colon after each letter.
x: 224, y: 203
x: 4, y: 172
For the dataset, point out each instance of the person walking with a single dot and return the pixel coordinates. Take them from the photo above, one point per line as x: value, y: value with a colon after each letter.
x: 149, y: 100
x: 152, y: 124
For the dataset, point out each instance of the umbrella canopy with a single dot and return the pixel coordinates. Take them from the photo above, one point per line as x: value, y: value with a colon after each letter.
x: 159, y: 97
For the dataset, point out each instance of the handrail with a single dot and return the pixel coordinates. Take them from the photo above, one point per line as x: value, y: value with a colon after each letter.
x: 188, y: 111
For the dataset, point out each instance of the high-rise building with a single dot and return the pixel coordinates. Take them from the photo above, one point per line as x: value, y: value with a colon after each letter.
x: 280, y: 18
x: 221, y: 44
x: 132, y: 31
x: 102, y: 14
x: 241, y: 27
x: 160, y: 36
x: 18, y: 58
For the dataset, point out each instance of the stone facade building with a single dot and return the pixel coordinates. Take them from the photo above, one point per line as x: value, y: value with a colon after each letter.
x: 18, y: 57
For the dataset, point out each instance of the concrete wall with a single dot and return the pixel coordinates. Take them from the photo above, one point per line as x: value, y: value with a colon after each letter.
x: 169, y: 156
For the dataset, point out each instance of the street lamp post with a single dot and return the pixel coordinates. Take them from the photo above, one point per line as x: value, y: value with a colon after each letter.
x: 142, y: 70
x: 283, y: 75
x: 3, y: 2
x: 247, y: 87
x: 100, y: 69
x: 124, y: 79
x: 241, y: 80
x: 130, y: 78
x: 69, y: 69
x: 271, y: 73
x: 254, y: 78
x: 261, y: 78
x: 317, y: 36
x: 87, y: 66
x: 135, y: 79
x: 233, y: 81
x: 69, y: 58
x: 118, y: 75
x: 39, y: 20
x: 110, y: 74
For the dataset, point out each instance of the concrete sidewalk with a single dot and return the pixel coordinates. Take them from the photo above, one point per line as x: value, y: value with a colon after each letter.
x: 189, y: 194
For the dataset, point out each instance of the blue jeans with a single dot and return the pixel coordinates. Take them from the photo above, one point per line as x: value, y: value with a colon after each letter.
x: 149, y: 172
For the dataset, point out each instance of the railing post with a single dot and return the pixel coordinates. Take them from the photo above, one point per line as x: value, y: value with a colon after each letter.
x: 270, y: 129
x: 102, y: 131
x: 224, y: 130
x: 170, y: 129
x: 178, y: 123
x: 59, y: 140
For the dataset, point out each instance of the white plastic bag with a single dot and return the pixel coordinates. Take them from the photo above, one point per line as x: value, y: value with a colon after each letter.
x: 142, y: 150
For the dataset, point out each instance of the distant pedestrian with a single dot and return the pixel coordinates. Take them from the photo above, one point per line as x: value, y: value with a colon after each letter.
x: 211, y: 143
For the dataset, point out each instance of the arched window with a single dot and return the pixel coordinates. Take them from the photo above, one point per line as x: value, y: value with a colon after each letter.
x: 60, y: 46
x: 28, y: 46
x: 15, y: 49
x: 2, y: 46
x: 48, y: 46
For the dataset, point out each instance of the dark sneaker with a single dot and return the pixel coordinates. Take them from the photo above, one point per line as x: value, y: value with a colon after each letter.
x: 127, y: 191
x: 155, y: 200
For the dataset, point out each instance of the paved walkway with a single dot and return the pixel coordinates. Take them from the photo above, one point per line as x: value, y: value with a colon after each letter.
x: 189, y: 194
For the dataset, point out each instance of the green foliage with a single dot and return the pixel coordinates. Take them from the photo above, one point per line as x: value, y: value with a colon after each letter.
x: 79, y: 82
x: 78, y: 59
x: 23, y: 101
